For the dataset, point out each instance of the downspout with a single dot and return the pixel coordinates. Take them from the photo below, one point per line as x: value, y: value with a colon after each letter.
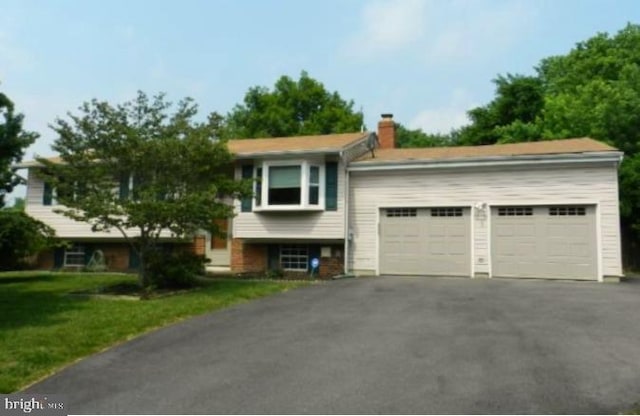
x: 346, y: 214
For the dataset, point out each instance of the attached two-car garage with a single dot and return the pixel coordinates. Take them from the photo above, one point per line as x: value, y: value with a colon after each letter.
x: 525, y: 241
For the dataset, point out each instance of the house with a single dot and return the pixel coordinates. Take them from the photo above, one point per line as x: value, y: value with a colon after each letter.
x: 360, y: 205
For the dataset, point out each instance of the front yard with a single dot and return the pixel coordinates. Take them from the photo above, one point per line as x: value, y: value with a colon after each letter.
x: 44, y: 327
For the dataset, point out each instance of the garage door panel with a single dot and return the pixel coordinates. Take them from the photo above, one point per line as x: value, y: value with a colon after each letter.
x: 550, y: 242
x: 426, y: 243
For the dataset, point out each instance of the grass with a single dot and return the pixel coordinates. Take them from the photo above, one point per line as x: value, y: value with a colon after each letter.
x: 43, y: 327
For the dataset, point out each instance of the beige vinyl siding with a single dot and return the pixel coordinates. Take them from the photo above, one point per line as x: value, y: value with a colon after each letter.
x: 577, y: 183
x: 293, y: 224
x: 64, y: 227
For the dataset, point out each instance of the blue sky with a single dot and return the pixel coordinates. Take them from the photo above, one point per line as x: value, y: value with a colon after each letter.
x: 425, y: 61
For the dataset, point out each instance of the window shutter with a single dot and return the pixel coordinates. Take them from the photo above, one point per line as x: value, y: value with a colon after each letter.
x: 47, y: 195
x: 58, y: 257
x: 247, y: 173
x: 124, y: 187
x: 331, y: 186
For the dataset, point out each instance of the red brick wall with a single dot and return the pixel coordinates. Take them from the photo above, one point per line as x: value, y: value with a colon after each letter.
x: 247, y: 257
x: 334, y: 265
x: 387, y: 132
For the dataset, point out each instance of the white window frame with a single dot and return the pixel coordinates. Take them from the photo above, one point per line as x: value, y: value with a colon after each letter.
x: 75, y: 250
x: 299, y: 256
x: 304, y: 205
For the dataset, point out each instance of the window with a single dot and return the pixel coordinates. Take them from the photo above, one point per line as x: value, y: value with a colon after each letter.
x: 446, y: 212
x: 402, y: 212
x: 567, y: 211
x: 289, y: 185
x: 284, y: 185
x: 515, y: 211
x: 294, y: 258
x: 314, y: 185
x: 74, y: 256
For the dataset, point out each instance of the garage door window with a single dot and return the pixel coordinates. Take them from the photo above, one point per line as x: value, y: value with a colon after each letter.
x: 515, y: 211
x: 402, y: 212
x: 567, y: 211
x: 446, y: 212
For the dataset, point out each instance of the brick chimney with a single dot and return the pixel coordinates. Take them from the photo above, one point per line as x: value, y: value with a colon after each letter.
x: 387, y: 131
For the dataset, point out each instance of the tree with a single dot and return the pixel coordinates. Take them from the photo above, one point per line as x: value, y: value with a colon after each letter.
x: 13, y: 141
x: 292, y: 108
x: 173, y: 175
x: 417, y: 138
x: 519, y: 99
x: 20, y: 237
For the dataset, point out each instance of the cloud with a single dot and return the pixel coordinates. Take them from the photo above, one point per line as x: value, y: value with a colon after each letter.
x: 481, y: 29
x: 439, y: 31
x: 445, y: 118
x: 387, y: 25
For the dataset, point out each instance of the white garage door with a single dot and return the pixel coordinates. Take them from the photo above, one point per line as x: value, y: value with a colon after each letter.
x: 425, y: 241
x: 548, y: 242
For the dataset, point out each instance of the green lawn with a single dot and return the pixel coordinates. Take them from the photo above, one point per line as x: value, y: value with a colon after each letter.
x: 43, y: 328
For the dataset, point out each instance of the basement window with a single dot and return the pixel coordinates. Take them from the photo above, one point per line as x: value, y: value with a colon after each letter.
x: 294, y: 257
x: 446, y: 212
x: 571, y: 211
x: 74, y: 256
x: 515, y: 211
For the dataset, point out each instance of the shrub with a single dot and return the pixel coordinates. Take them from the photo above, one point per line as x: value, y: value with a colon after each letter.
x: 20, y: 237
x: 174, y: 270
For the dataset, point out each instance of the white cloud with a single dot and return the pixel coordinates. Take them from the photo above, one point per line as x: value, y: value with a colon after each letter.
x: 387, y: 25
x: 447, y: 117
x: 440, y: 31
x: 481, y: 29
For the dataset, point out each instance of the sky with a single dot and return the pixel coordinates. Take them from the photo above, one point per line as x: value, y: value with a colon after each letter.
x: 425, y: 61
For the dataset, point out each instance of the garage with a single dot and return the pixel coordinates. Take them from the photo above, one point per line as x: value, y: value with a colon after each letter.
x: 544, y: 242
x: 425, y: 241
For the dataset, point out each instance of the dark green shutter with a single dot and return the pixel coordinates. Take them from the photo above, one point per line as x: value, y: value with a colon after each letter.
x: 124, y: 187
x: 331, y: 186
x: 247, y: 173
x: 273, y: 257
x: 88, y: 253
x: 134, y: 259
x: 47, y: 195
x: 58, y: 257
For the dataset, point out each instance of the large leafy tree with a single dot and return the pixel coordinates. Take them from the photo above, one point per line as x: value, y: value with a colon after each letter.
x: 173, y: 174
x: 13, y: 142
x: 292, y: 108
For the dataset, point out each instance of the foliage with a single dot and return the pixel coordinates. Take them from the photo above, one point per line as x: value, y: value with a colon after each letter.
x: 175, y: 270
x: 36, y: 308
x: 20, y: 237
x: 292, y: 108
x: 13, y: 141
x: 173, y: 175
x: 417, y: 138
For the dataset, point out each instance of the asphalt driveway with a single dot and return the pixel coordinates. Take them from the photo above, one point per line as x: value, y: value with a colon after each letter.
x: 381, y: 345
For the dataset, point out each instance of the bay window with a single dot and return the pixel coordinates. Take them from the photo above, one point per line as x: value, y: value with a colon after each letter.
x: 289, y: 185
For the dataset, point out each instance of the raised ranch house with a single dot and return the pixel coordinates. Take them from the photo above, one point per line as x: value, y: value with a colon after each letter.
x: 360, y: 205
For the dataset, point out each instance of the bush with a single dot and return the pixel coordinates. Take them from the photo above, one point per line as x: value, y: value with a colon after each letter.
x: 174, y: 270
x: 20, y: 237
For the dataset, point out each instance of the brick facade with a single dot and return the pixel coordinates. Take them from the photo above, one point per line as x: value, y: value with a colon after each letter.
x: 200, y: 245
x: 247, y: 257
x: 334, y: 265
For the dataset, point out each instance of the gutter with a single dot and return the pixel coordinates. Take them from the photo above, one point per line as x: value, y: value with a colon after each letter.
x: 486, y: 161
